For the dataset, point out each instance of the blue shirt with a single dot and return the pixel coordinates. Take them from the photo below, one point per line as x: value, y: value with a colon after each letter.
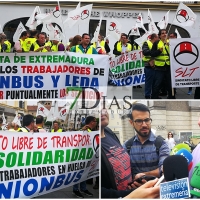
x: 144, y: 157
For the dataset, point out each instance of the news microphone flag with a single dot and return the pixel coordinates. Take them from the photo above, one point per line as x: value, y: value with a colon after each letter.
x: 186, y: 154
x: 195, y: 181
x: 179, y: 147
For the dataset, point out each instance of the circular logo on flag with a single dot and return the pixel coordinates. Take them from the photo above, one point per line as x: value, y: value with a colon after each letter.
x: 182, y: 16
x: 85, y: 14
x: 112, y: 26
x: 56, y: 12
x: 96, y: 145
x: 186, y: 53
x: 63, y: 112
x: 41, y: 109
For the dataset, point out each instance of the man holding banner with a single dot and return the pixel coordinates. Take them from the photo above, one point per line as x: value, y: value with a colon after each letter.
x: 160, y: 51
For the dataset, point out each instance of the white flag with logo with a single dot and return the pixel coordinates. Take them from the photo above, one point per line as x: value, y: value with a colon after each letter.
x: 139, y: 22
x: 53, y: 113
x: 79, y: 16
x: 48, y: 28
x: 96, y: 33
x: 142, y: 39
x: 62, y: 113
x: 162, y: 24
x: 17, y: 119
x: 114, y: 28
x: 4, y: 124
x: 32, y: 22
x: 152, y: 26
x: 184, y: 16
x: 42, y: 110
x: 18, y: 32
x: 135, y: 30
x: 178, y: 34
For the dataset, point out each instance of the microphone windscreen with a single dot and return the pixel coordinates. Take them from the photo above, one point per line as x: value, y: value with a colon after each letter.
x: 195, y: 181
x: 175, y: 167
x: 179, y: 147
x: 185, y: 153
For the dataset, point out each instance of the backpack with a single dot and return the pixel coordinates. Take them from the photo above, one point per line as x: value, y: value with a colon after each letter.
x: 158, y: 143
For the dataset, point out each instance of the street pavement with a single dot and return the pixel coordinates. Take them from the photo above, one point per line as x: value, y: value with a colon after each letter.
x: 66, y: 193
x: 181, y: 93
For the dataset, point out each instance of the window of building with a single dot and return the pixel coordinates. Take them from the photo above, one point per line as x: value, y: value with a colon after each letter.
x: 93, y: 25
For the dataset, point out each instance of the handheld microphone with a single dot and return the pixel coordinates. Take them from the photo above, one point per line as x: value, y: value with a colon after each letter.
x: 195, y: 181
x: 185, y: 153
x: 179, y: 147
x: 175, y: 167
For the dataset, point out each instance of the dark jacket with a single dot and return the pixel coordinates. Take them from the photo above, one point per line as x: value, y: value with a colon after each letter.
x: 146, y: 52
x: 155, y: 51
x: 108, y: 184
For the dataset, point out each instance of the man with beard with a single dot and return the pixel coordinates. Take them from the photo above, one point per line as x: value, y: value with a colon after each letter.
x: 144, y: 157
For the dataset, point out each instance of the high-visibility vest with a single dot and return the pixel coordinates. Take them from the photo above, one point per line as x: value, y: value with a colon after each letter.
x: 163, y: 57
x: 23, y: 129
x: 8, y: 46
x: 36, y: 46
x: 102, y: 45
x: 55, y: 47
x: 59, y: 130
x: 147, y: 58
x: 28, y: 42
x: 135, y: 47
x: 89, y: 51
x: 0, y: 47
x: 48, y: 43
x: 23, y: 45
x: 119, y: 47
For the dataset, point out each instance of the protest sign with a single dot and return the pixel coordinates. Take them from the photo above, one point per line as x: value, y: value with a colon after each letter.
x: 35, y: 164
x: 128, y: 69
x: 177, y: 189
x: 46, y: 75
x: 185, y: 62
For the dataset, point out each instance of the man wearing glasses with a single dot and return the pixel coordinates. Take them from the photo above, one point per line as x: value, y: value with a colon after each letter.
x: 160, y: 51
x: 145, y: 160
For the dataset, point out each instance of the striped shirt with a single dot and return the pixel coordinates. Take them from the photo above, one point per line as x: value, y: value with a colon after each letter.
x: 144, y: 157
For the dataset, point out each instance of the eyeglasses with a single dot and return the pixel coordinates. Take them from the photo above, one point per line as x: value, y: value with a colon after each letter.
x: 140, y: 121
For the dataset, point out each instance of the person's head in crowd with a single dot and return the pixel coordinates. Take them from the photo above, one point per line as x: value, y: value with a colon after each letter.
x: 170, y: 135
x: 70, y: 39
x: 100, y: 38
x: 162, y: 34
x: 75, y: 41
x: 40, y: 120
x: 91, y: 122
x: 11, y: 125
x: 33, y: 33
x: 2, y: 38
x: 124, y: 38
x: 85, y: 39
x: 173, y: 35
x: 35, y: 128
x: 154, y: 37
x: 1, y: 121
x: 16, y: 127
x: 28, y: 121
x: 140, y: 120
x: 41, y: 38
x: 55, y: 42
x: 55, y: 125
x: 24, y: 35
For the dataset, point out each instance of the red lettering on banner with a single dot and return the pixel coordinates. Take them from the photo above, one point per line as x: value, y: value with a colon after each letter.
x: 133, y: 56
x: 3, y: 142
x: 122, y: 59
x: 19, y: 143
x: 1, y: 94
x: 185, y: 72
x: 42, y: 143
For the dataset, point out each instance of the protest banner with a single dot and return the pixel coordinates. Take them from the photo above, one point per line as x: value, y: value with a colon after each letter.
x: 35, y: 164
x: 185, y: 62
x: 128, y: 69
x: 46, y: 75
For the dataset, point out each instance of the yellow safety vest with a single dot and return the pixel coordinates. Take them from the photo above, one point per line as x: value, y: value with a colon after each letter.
x: 23, y: 45
x: 28, y: 42
x: 163, y: 57
x: 0, y: 47
x: 23, y: 130
x: 8, y: 46
x: 55, y: 47
x: 119, y: 47
x: 59, y: 130
x: 89, y: 51
x: 147, y: 58
x: 36, y: 46
x: 102, y: 45
x: 136, y: 48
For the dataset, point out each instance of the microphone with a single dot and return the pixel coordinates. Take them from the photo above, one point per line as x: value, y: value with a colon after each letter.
x: 179, y: 147
x: 175, y: 167
x: 185, y: 153
x: 195, y: 180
